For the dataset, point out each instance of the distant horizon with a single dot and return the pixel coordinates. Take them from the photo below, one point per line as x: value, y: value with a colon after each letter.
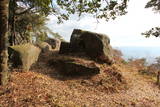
x: 150, y: 53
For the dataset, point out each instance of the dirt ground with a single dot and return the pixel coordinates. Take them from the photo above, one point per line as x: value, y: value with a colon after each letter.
x: 43, y: 86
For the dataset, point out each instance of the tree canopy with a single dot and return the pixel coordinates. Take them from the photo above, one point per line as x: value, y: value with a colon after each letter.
x: 155, y: 5
x: 107, y: 9
x: 23, y: 13
x: 63, y: 8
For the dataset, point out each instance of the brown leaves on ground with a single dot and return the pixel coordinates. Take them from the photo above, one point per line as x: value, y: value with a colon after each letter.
x: 43, y: 86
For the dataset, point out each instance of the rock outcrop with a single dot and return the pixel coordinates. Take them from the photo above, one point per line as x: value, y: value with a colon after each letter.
x: 55, y: 43
x: 23, y: 56
x: 64, y: 48
x: 95, y: 45
x: 44, y: 46
x: 74, y: 68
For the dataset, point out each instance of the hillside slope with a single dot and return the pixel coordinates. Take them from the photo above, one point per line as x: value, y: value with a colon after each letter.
x: 43, y: 86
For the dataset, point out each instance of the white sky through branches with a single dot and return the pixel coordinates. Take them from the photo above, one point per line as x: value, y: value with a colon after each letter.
x: 124, y: 31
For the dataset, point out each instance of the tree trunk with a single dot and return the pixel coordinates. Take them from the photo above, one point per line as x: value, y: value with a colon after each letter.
x: 12, y: 5
x: 13, y: 38
x: 3, y: 41
x: 158, y: 78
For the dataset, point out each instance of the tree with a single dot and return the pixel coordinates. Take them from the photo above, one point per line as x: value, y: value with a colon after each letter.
x: 27, y: 27
x: 107, y: 9
x: 152, y: 32
x: 21, y: 7
x: 155, y: 5
x: 62, y: 9
x: 3, y: 41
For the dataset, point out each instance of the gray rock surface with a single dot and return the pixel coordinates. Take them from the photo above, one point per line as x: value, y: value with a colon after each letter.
x: 23, y: 56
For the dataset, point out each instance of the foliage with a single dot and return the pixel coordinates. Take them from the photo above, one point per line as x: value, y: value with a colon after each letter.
x: 152, y: 32
x: 62, y: 9
x: 158, y: 61
x: 155, y: 5
x: 58, y: 36
x: 36, y: 6
x: 24, y: 12
x: 107, y: 9
x: 22, y: 15
x: 28, y: 27
x: 154, y: 68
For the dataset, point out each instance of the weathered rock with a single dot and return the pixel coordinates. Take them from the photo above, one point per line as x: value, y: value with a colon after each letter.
x: 64, y: 48
x: 95, y: 45
x: 23, y: 56
x: 44, y: 46
x: 73, y: 68
x: 55, y: 43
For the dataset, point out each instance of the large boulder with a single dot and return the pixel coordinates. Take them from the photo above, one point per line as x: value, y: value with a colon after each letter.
x: 74, y: 68
x: 23, y: 56
x: 95, y: 45
x: 64, y: 48
x: 55, y: 43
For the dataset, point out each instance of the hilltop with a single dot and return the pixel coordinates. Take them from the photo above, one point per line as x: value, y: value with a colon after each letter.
x: 43, y: 86
x: 85, y: 72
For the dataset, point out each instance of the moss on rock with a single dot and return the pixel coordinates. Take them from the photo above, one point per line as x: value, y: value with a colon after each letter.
x: 23, y: 56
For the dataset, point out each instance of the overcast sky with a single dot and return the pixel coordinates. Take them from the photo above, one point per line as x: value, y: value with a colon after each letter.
x: 124, y: 31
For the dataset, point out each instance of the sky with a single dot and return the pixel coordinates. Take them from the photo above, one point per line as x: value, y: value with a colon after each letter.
x: 124, y: 31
